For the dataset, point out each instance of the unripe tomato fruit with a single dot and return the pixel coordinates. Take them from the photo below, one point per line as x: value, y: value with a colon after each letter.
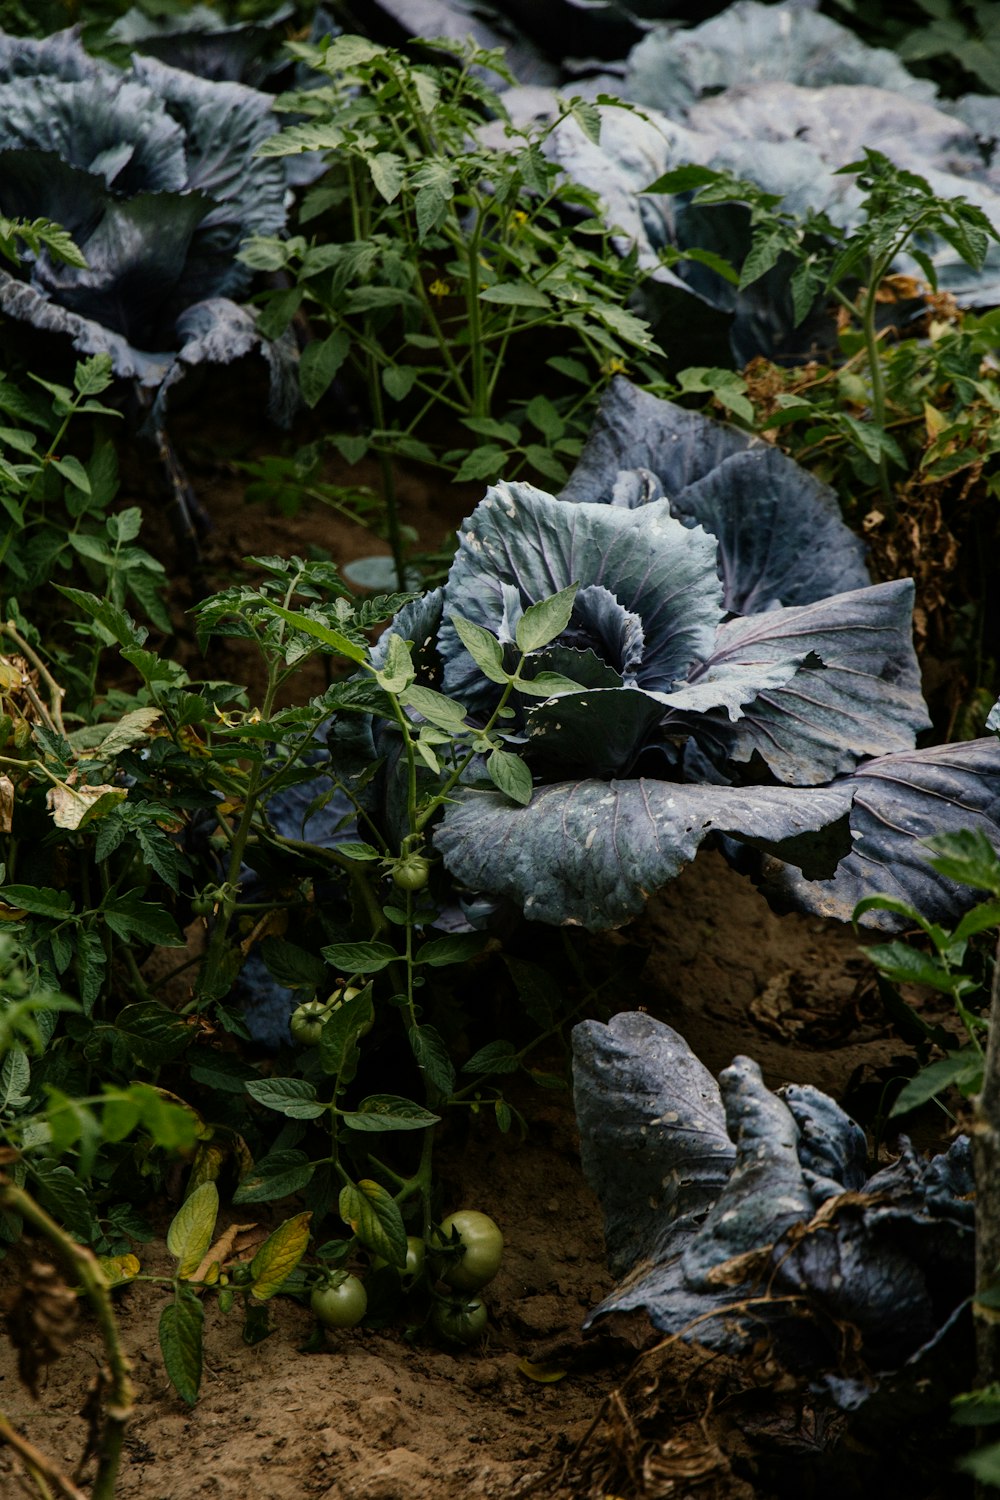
x: 482, y: 1250
x: 341, y: 1303
x: 459, y: 1320
x: 411, y: 873
x: 306, y: 1023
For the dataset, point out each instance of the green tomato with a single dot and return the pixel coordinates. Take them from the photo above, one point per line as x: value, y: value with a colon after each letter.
x: 459, y: 1320
x: 306, y: 1023
x: 479, y: 1247
x: 341, y: 1303
x: 411, y: 873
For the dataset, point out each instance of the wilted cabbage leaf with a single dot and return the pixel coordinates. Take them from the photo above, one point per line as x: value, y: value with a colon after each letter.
x: 734, y: 1211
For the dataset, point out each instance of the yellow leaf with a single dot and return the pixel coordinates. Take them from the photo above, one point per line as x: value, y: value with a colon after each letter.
x: 936, y: 421
x: 119, y: 1269
x: 72, y: 806
x: 190, y: 1234
x: 278, y: 1256
x: 541, y: 1374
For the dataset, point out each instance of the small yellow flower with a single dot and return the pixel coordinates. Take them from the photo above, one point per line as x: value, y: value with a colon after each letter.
x: 439, y: 288
x: 614, y: 366
x: 520, y: 216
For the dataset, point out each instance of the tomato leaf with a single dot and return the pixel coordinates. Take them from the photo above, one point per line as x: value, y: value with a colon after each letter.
x: 373, y: 1215
x: 181, y: 1324
x: 542, y: 622
x: 433, y: 1059
x: 278, y: 1256
x: 275, y: 1176
x: 389, y: 1112
x: 294, y: 1097
x: 190, y: 1233
x: 359, y: 958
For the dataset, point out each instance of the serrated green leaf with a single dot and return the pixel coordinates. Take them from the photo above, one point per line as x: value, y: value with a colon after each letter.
x: 905, y: 965
x: 483, y: 647
x: 190, y: 1233
x: 495, y: 1057
x: 293, y: 1097
x: 399, y: 380
x: 320, y: 632
x: 510, y: 774
x: 359, y: 958
x: 347, y: 1022
x: 389, y: 1112
x: 155, y: 1035
x: 968, y: 857
x: 541, y: 623
x: 386, y: 170
x: 320, y: 362
x: 275, y: 1176
x: 962, y: 1069
x: 359, y: 851
x: 547, y: 685
x: 514, y: 294
x: 72, y: 470
x: 41, y: 901
x: 433, y: 1059
x: 457, y: 949
x: 278, y: 1256
x: 131, y: 917
x: 444, y: 712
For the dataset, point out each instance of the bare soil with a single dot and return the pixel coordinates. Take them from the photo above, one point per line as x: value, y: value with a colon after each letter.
x: 373, y: 1417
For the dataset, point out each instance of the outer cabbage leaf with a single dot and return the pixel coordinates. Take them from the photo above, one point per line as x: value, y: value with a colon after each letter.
x: 839, y: 122
x: 223, y: 124
x: 656, y: 568
x: 200, y: 42
x: 898, y: 800
x: 85, y: 121
x: 155, y: 176
x: 751, y: 42
x: 456, y: 20
x: 59, y: 55
x: 780, y: 533
x: 856, y: 694
x: 652, y: 1134
x: 590, y: 853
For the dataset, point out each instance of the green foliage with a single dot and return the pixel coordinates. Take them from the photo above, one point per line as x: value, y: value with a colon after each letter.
x: 950, y: 965
x: 960, y: 37
x: 438, y: 259
x: 899, y: 211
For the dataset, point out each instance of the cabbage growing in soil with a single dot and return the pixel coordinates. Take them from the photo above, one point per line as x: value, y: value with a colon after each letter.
x: 739, y: 680
x: 153, y: 173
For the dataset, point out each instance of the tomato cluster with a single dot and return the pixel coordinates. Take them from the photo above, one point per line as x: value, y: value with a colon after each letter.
x: 463, y: 1256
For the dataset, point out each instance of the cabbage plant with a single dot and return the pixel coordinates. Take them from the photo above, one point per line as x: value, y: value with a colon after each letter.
x: 153, y: 173
x: 727, y: 670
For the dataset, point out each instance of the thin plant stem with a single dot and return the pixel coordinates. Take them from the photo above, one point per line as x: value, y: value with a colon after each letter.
x: 83, y: 1265
x: 48, y: 1480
